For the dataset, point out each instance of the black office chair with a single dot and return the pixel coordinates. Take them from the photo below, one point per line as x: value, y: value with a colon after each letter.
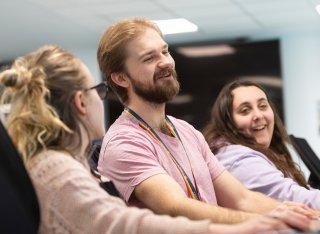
x: 309, y: 158
x: 93, y: 159
x: 19, y: 211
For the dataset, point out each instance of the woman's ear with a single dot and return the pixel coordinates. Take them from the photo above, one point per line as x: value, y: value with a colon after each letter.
x: 80, y: 102
x: 120, y: 79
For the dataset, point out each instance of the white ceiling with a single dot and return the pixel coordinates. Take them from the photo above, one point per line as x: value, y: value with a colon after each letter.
x: 28, y: 24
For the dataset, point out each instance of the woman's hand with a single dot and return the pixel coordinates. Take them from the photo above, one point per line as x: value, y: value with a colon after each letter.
x: 296, y: 207
x: 295, y: 215
x: 261, y: 224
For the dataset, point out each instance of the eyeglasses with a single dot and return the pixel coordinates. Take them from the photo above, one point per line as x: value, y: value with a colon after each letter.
x: 102, y: 89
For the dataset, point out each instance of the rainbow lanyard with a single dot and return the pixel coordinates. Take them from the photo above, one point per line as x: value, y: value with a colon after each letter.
x: 193, y: 191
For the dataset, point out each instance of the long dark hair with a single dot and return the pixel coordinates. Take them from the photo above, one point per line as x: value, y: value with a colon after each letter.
x: 222, y: 130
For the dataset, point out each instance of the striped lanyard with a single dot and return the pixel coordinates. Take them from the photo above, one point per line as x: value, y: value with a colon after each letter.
x: 193, y: 191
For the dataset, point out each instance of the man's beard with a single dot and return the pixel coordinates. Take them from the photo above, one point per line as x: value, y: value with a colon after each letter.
x: 161, y: 91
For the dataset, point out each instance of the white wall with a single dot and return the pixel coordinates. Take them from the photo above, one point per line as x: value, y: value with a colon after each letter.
x: 89, y: 57
x: 300, y: 58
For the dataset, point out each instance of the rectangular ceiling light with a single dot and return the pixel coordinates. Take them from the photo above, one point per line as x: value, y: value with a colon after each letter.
x: 318, y: 8
x: 172, y: 26
x: 206, y: 51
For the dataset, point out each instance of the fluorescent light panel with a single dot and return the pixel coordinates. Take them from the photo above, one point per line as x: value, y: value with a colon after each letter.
x: 318, y: 8
x: 182, y: 99
x: 273, y: 81
x: 172, y: 26
x: 206, y: 51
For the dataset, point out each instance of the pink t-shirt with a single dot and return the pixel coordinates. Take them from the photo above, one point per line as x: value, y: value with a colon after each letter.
x: 129, y: 155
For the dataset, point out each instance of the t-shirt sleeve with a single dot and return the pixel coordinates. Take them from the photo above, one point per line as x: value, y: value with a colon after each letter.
x: 215, y: 167
x: 128, y: 159
x: 196, y: 137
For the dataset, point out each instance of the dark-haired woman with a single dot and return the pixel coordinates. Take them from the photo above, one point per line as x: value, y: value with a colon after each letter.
x: 247, y: 135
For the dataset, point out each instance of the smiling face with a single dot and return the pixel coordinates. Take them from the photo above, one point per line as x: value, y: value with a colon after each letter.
x: 150, y: 68
x: 252, y: 114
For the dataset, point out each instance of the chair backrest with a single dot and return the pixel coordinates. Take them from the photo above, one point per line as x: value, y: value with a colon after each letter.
x: 19, y: 211
x: 310, y: 159
x: 93, y: 159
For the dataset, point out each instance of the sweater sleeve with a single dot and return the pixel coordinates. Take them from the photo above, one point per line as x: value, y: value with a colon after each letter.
x: 71, y: 201
x: 258, y: 173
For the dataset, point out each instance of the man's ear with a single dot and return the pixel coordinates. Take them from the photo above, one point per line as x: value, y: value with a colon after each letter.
x: 80, y: 102
x: 120, y: 79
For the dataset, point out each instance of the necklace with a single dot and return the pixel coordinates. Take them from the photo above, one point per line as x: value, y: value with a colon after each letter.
x: 193, y: 191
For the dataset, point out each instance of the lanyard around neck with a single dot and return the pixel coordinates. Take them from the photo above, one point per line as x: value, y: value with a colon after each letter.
x: 193, y: 191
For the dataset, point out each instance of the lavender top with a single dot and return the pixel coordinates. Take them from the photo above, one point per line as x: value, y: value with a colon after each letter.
x: 258, y: 173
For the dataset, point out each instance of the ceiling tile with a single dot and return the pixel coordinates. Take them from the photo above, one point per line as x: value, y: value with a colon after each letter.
x: 74, y: 22
x: 258, y: 7
x: 314, y: 2
x: 301, y: 17
x: 205, y: 12
x: 230, y: 24
x: 180, y: 4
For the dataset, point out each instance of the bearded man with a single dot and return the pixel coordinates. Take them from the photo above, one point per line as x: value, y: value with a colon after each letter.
x: 158, y: 161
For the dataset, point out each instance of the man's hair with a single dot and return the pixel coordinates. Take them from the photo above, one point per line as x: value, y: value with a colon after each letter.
x: 112, y: 50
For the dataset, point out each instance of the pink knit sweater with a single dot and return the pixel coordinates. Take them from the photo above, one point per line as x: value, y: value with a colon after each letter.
x: 71, y: 201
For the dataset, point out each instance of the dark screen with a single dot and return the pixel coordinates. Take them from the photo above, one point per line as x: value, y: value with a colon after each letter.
x: 202, y: 78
